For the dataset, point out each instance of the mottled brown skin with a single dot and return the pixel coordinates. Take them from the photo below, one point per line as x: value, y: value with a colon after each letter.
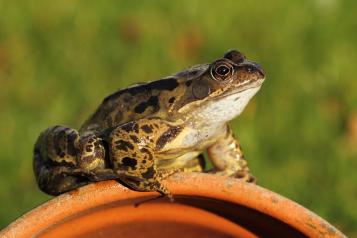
x: 144, y: 133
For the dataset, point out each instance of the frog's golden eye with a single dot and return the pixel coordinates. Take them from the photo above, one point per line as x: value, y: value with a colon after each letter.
x: 222, y: 71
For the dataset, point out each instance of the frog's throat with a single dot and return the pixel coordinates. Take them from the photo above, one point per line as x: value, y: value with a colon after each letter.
x: 223, y: 108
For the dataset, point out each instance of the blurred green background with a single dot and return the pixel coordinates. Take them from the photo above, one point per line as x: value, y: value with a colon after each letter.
x: 59, y: 59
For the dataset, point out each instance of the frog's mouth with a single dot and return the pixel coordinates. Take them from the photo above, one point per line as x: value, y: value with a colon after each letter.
x: 243, y: 87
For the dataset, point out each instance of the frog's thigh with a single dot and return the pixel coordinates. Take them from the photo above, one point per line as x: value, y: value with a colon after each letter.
x: 132, y: 151
x: 227, y: 157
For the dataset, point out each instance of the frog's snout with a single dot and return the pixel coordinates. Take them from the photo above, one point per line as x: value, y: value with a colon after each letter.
x: 255, y: 67
x: 260, y: 69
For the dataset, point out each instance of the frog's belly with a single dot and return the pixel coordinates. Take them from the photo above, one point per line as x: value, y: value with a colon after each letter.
x: 187, y: 146
x: 194, y: 139
x: 178, y: 162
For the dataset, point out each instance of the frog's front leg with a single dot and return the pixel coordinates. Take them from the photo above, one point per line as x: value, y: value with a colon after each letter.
x: 228, y: 159
x: 132, y: 150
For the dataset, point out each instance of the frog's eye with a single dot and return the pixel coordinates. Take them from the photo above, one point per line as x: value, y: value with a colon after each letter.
x: 222, y: 71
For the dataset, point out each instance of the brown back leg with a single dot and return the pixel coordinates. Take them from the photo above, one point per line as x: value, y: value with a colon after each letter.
x: 55, y: 161
x: 63, y: 161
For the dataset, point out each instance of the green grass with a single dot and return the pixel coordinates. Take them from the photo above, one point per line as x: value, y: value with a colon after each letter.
x: 59, y: 59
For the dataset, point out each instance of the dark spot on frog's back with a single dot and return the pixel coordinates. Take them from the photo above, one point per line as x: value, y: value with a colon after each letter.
x: 129, y: 162
x: 152, y: 102
x: 140, y: 108
x: 131, y: 90
x: 163, y: 84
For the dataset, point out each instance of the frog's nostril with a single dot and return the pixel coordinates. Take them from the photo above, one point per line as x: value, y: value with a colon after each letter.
x: 252, y: 67
x: 260, y: 69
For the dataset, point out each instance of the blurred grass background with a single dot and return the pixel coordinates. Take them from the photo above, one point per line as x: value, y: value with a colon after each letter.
x: 59, y: 59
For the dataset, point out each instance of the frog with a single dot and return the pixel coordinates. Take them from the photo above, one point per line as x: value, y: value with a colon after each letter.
x: 143, y: 134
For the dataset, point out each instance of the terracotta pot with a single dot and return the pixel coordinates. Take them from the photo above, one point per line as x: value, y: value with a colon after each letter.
x: 205, y: 206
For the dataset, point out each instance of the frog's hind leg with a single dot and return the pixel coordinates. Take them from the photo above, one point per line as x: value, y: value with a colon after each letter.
x: 59, y: 179
x: 54, y: 162
x: 64, y: 161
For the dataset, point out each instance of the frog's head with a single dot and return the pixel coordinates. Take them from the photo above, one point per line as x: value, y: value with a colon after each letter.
x: 221, y: 90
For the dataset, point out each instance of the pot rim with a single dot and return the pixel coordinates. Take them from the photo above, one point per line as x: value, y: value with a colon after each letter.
x: 188, y: 184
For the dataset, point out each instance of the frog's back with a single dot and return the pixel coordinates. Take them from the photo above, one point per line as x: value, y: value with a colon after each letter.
x: 152, y: 99
x: 133, y: 103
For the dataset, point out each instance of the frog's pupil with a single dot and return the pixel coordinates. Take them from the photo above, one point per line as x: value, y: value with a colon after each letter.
x: 222, y: 70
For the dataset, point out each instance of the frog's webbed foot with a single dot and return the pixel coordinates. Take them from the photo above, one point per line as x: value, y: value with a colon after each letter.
x: 163, y: 175
x: 228, y: 159
x: 163, y: 191
x: 241, y: 174
x: 159, y: 187
x: 153, y: 183
x: 246, y: 177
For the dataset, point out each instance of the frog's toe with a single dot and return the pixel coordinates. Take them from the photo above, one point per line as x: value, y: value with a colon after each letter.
x: 164, y: 191
x: 246, y: 177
